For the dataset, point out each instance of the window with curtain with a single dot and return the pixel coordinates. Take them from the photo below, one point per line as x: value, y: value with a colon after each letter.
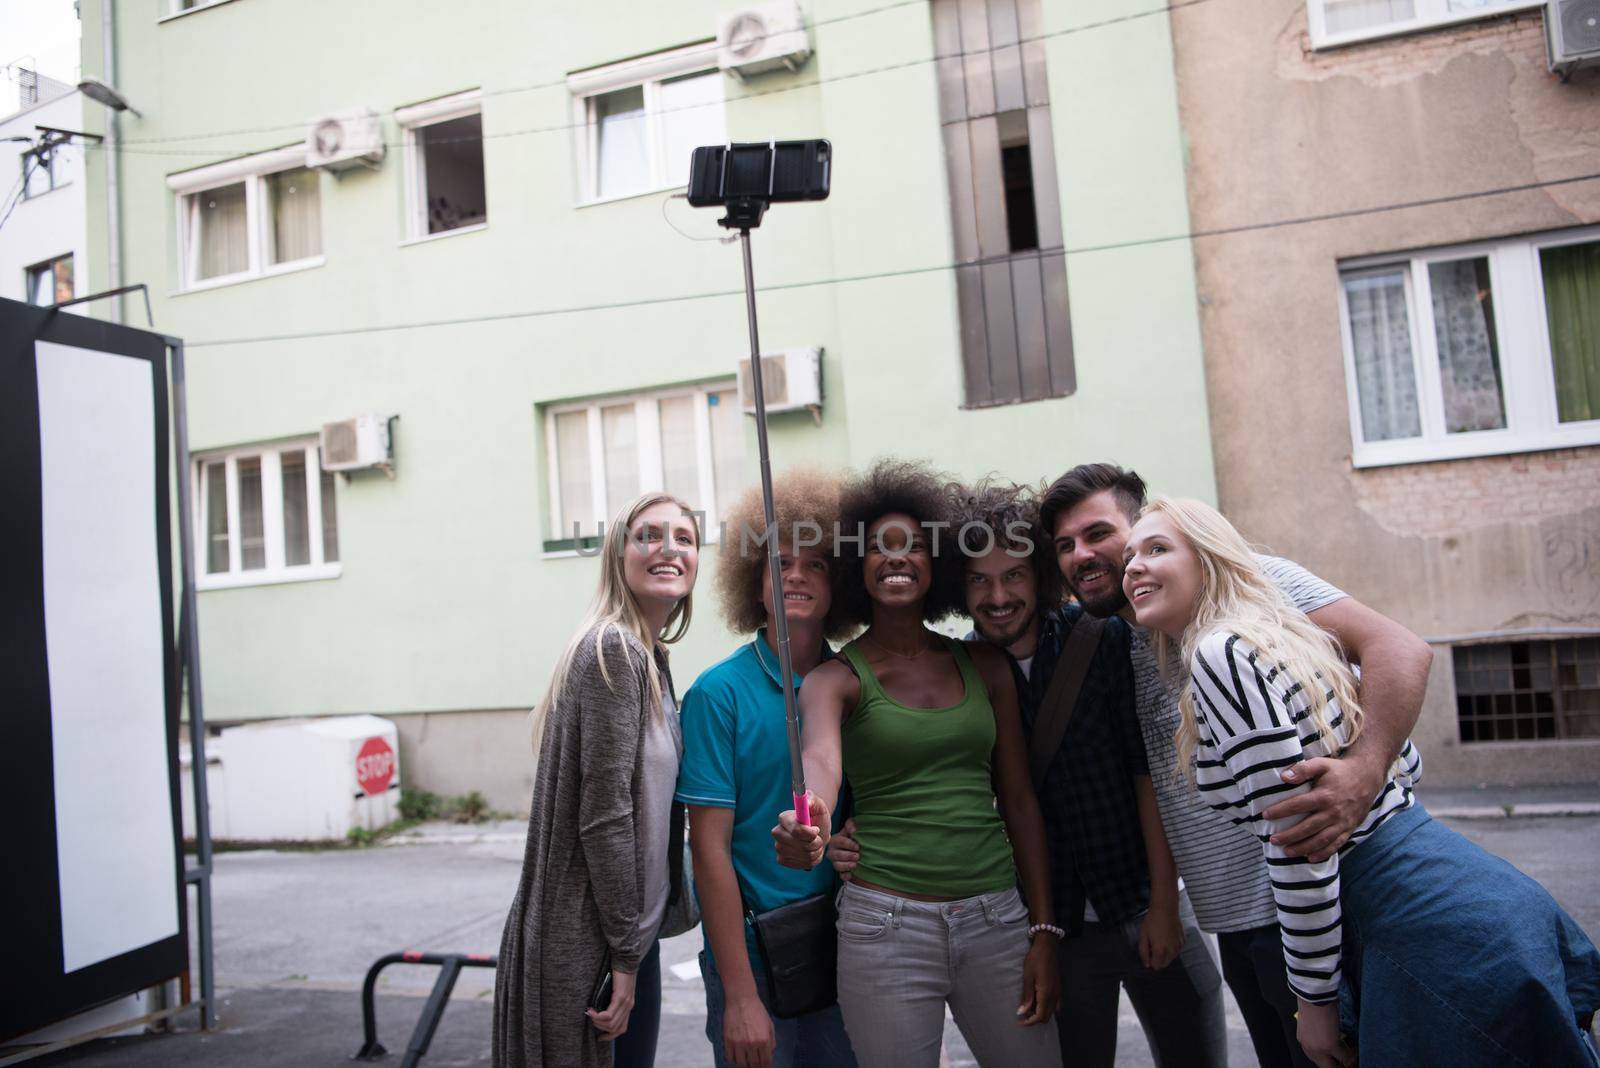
x: 620, y: 440
x: 51, y: 282
x: 727, y: 445
x: 330, y: 519
x: 245, y: 227
x: 294, y: 215
x: 214, y: 506
x: 1487, y: 349
x: 220, y: 238
x: 252, y: 522
x: 687, y: 441
x: 1380, y: 336
x: 1571, y: 277
x: 680, y: 461
x: 296, y: 512
x: 1335, y: 22
x: 266, y: 515
x: 575, y: 488
x: 1464, y: 336
x: 622, y: 148
x: 639, y: 132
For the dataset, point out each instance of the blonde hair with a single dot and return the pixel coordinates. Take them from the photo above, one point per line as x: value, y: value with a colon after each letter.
x: 615, y: 610
x: 1236, y: 597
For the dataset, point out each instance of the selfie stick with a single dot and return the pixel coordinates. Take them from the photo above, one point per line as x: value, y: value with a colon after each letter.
x: 743, y: 215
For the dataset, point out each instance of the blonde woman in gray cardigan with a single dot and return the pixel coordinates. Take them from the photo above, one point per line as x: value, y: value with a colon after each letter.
x: 604, y: 852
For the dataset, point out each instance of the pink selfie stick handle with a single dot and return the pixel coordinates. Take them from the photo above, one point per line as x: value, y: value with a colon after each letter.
x: 802, y: 809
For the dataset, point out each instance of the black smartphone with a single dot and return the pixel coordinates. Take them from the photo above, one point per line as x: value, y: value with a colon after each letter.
x: 600, y: 996
x: 773, y: 171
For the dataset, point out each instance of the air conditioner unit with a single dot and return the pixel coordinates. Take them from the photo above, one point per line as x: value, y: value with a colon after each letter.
x: 339, y: 142
x: 1572, y: 34
x: 354, y: 444
x: 791, y: 380
x: 763, y: 37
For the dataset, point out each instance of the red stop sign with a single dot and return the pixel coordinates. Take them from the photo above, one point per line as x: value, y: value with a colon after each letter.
x: 374, y: 765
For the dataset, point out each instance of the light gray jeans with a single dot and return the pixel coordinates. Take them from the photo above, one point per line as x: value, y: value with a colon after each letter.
x: 902, y: 961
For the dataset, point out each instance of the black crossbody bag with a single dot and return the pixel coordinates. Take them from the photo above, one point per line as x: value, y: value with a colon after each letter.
x: 800, y: 954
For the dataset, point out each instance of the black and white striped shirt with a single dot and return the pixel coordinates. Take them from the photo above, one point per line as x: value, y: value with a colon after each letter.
x: 1220, y: 863
x: 1254, y: 721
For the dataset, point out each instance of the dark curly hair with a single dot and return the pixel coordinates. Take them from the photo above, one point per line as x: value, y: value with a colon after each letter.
x: 798, y: 497
x: 990, y: 512
x: 911, y: 488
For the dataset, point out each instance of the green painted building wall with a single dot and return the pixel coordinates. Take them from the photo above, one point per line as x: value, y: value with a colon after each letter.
x: 446, y: 602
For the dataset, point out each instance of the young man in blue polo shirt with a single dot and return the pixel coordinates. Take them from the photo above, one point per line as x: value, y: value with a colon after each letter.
x: 735, y: 774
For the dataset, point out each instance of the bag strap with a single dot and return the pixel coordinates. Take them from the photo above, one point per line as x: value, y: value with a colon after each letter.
x: 1061, y: 696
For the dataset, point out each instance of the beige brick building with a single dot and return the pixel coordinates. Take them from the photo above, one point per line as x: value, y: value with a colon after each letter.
x: 1398, y: 262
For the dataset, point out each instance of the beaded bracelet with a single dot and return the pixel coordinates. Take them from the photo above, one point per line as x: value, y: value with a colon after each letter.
x: 1052, y: 928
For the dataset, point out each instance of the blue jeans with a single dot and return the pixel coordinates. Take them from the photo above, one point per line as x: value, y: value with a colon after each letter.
x: 1454, y: 957
x: 815, y: 1040
x: 636, y: 1047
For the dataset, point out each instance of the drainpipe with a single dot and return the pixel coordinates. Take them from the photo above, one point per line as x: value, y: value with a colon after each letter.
x: 108, y: 38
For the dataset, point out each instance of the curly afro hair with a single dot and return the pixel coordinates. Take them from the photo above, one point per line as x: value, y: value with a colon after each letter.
x: 992, y: 512
x: 911, y: 488
x: 800, y: 498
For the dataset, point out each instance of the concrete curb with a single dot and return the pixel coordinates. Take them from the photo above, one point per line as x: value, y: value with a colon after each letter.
x: 1522, y: 810
x: 1527, y: 810
x: 464, y: 838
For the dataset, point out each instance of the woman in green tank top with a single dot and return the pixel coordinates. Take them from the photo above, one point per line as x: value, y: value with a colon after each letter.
x: 927, y: 732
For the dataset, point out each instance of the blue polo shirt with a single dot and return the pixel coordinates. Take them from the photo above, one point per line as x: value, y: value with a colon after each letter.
x: 736, y: 755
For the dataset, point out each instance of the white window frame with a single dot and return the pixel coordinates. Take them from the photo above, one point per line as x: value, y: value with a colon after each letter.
x: 652, y: 476
x: 175, y: 9
x: 412, y: 120
x: 36, y: 270
x: 1431, y: 14
x: 253, y: 171
x: 647, y: 71
x: 1522, y: 337
x: 276, y: 571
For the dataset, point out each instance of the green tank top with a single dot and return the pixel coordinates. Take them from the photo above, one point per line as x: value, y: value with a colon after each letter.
x: 921, y: 782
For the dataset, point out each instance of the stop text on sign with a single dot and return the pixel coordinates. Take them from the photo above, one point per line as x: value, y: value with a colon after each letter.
x: 375, y: 766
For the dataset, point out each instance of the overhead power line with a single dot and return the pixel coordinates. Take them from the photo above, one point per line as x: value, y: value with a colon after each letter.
x: 539, y: 313
x: 127, y: 146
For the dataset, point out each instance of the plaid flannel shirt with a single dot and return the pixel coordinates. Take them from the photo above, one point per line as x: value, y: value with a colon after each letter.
x: 1091, y: 814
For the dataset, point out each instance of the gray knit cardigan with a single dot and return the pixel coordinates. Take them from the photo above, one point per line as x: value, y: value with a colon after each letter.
x: 582, y: 888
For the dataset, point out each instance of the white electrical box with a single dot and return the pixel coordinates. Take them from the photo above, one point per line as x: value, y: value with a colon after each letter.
x: 310, y: 779
x: 1572, y: 34
x: 339, y: 142
x: 356, y: 443
x: 763, y: 37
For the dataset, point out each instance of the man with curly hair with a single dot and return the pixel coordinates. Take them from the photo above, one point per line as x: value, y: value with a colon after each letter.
x: 735, y: 773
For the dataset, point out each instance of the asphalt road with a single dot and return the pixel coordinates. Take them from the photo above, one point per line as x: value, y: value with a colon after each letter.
x: 296, y: 932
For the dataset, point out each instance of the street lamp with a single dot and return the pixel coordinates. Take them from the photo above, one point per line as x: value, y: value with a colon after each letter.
x: 100, y: 92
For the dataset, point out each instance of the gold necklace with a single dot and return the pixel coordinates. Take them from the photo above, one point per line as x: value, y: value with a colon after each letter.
x: 867, y: 637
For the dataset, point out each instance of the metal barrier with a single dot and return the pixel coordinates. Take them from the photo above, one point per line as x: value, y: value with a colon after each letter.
x: 450, y: 965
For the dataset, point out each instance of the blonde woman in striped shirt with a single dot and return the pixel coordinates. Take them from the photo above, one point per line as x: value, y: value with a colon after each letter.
x: 1445, y: 954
